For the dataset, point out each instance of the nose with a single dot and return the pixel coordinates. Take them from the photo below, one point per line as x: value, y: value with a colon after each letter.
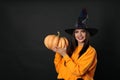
x: 80, y: 33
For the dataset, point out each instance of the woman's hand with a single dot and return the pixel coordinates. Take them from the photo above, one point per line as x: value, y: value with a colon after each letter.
x: 61, y: 51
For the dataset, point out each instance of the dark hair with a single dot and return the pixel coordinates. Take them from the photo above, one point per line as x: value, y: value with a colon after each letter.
x: 73, y: 44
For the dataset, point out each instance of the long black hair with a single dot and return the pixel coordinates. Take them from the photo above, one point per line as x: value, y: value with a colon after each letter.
x: 73, y: 44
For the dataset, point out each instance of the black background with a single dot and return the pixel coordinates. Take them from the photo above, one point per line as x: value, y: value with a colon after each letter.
x: 24, y: 24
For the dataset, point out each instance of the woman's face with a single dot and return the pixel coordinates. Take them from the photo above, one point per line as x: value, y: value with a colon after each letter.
x: 80, y: 35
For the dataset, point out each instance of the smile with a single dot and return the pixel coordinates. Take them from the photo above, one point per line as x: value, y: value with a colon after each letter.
x: 80, y: 38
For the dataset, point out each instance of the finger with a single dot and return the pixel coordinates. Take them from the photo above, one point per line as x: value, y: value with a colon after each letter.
x: 54, y: 49
x: 65, y: 48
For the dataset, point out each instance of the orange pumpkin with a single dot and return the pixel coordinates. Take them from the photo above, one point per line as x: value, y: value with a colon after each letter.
x: 52, y: 41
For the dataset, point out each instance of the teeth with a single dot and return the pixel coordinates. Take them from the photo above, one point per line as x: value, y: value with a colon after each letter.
x: 80, y: 38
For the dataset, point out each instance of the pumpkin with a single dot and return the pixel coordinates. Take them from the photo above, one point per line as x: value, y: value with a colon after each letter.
x: 52, y: 40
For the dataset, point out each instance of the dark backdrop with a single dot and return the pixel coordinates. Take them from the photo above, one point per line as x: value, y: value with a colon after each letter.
x: 24, y: 24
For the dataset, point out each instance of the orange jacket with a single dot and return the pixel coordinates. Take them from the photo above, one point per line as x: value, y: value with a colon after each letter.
x: 71, y: 68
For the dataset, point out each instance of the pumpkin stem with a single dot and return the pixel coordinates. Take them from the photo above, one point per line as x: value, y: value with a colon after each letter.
x: 58, y: 33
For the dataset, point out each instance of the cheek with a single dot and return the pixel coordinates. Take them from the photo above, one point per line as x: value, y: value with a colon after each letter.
x: 75, y: 35
x: 84, y: 34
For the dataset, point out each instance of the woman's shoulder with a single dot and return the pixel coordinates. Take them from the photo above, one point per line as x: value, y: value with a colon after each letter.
x: 92, y: 48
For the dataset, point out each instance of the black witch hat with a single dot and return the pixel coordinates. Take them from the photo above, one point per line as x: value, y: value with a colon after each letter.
x: 82, y: 24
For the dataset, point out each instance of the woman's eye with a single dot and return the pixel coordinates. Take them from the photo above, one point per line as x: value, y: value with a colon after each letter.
x: 76, y: 31
x: 83, y: 31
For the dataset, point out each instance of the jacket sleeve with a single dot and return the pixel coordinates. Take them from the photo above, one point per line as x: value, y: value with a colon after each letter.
x: 84, y: 63
x: 57, y: 61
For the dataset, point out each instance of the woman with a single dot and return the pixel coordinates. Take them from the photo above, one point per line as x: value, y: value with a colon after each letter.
x: 77, y: 61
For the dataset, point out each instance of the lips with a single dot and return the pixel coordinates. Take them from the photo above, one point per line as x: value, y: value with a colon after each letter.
x: 80, y: 38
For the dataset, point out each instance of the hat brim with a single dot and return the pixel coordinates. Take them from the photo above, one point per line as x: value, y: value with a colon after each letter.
x: 92, y: 31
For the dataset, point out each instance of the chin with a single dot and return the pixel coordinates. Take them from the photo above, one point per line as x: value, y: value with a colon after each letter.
x: 81, y: 41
